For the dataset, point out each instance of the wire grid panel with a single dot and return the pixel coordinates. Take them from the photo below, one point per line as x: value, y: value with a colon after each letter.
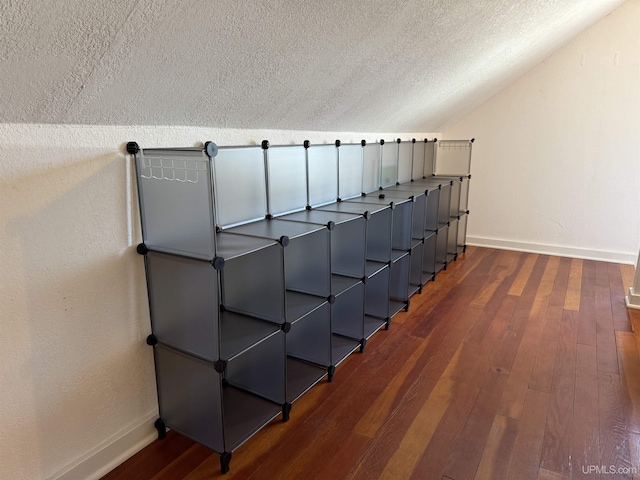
x: 371, y: 167
x: 417, y: 167
x: 405, y: 155
x: 453, y: 157
x: 350, y: 170
x: 429, y: 159
x: 286, y: 179
x: 322, y: 174
x: 174, y: 188
x: 239, y: 185
x: 389, y: 164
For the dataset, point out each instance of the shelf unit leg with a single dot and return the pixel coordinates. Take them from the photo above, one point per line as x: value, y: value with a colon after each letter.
x: 286, y: 411
x: 225, y: 460
x: 363, y: 343
x: 330, y: 372
x: 161, y: 427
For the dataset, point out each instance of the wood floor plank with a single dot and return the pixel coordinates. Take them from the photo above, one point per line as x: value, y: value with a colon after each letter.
x: 556, y: 445
x: 628, y: 273
x: 572, y: 297
x: 523, y: 275
x: 585, y: 448
x: 587, y: 317
x: 494, y: 464
x: 614, y: 433
x: 504, y: 268
x: 548, y: 475
x: 617, y: 291
x: 466, y: 456
x: 515, y: 392
x: 605, y: 335
x: 525, y: 458
x: 188, y: 461
x: 630, y: 378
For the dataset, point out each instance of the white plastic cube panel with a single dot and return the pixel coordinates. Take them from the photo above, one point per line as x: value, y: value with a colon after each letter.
x: 389, y: 164
x: 371, y: 167
x: 239, y: 185
x: 417, y: 167
x: 322, y: 163
x: 405, y: 157
x: 429, y: 159
x: 176, y: 202
x: 453, y: 157
x: 287, y: 179
x: 350, y: 170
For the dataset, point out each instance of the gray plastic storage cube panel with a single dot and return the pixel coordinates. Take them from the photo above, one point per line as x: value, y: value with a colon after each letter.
x: 239, y: 185
x: 306, y: 257
x: 176, y: 204
x: 348, y: 309
x: 462, y: 232
x: 417, y: 163
x: 310, y: 337
x: 429, y: 158
x: 452, y: 240
x: 376, y: 296
x: 454, y: 207
x: 183, y: 298
x: 322, y: 162
x: 416, y: 278
x: 453, y: 157
x: 405, y: 161
x: 378, y: 244
x: 190, y: 396
x: 371, y: 167
x: 286, y: 179
x: 347, y: 238
x: 418, y: 210
x: 350, y: 170
x: 464, y: 195
x: 399, y: 276
x: 429, y: 255
x: 432, y: 201
x: 252, y: 279
x: 402, y: 211
x: 259, y: 368
x: 389, y: 164
x: 442, y: 242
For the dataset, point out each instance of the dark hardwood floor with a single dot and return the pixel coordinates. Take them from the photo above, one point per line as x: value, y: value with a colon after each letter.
x: 509, y: 365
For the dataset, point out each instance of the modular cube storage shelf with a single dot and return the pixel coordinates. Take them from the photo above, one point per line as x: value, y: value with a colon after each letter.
x: 267, y: 266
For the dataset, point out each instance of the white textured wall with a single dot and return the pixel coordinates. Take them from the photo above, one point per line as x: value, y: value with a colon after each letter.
x: 556, y: 164
x: 75, y: 372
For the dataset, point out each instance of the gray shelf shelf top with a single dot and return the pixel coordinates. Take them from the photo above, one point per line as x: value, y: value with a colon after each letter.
x: 372, y: 267
x: 342, y: 347
x: 355, y: 208
x: 416, y: 242
x: 374, y: 199
x: 238, y: 333
x: 300, y: 305
x: 416, y: 186
x: 301, y: 376
x: 372, y: 325
x: 275, y: 229
x: 398, y: 254
x: 230, y: 246
x: 340, y: 283
x: 395, y: 307
x: 321, y: 217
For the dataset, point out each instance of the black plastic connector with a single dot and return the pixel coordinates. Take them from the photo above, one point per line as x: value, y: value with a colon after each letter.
x: 473, y: 140
x: 339, y: 200
x: 364, y: 280
x: 222, y: 308
x: 331, y: 299
x: 387, y: 324
x: 399, y: 141
x: 331, y: 225
x: 161, y: 428
x: 218, y: 228
x: 366, y: 215
x: 286, y: 327
x: 426, y: 140
x: 382, y: 142
x: 218, y: 263
x: 413, y: 140
x: 392, y: 205
x: 220, y: 366
x: 381, y: 196
x: 338, y: 143
x: 306, y: 144
x: 265, y: 144
x: 268, y: 216
x: 435, y: 140
x: 308, y: 208
x: 363, y: 143
x: 133, y: 148
x: 398, y: 183
x: 467, y: 212
x: 284, y: 240
x: 362, y: 194
x: 142, y: 249
x: 152, y: 340
x: 225, y: 383
x: 211, y: 149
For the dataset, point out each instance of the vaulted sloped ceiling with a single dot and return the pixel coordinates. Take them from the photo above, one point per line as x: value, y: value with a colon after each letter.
x: 361, y: 65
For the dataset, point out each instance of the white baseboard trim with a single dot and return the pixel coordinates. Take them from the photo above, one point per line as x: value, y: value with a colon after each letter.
x: 112, y: 452
x: 600, y: 255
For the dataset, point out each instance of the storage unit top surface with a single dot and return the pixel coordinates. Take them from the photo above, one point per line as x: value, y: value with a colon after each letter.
x: 357, y: 208
x: 276, y: 228
x: 322, y: 217
x: 229, y: 246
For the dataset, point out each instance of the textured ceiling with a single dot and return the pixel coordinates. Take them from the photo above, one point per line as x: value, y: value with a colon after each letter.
x: 366, y: 65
